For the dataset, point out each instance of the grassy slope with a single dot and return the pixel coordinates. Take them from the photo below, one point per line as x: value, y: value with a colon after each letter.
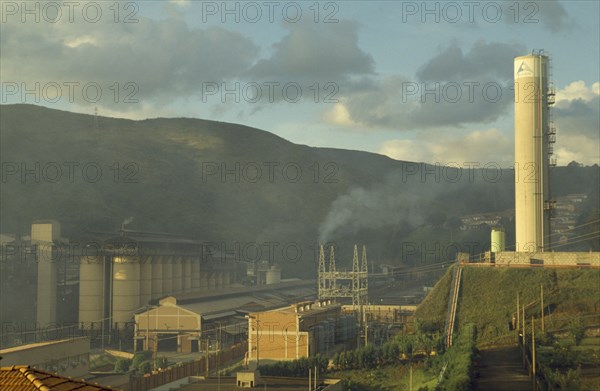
x: 433, y: 308
x: 488, y: 298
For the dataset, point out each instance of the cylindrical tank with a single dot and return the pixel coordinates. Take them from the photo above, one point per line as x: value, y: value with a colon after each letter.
x: 498, y: 240
x: 126, y: 288
x: 532, y: 219
x: 145, y: 279
x: 167, y: 275
x: 195, y: 273
x: 157, y: 278
x: 177, y: 274
x: 273, y: 275
x: 91, y: 281
x: 320, y: 338
x: 187, y: 274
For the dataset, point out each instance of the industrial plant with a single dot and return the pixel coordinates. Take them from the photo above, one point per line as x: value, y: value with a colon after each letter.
x: 194, y: 312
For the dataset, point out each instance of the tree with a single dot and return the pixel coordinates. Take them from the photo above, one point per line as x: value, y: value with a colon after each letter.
x: 145, y: 367
x: 436, y: 218
x: 577, y: 330
x: 122, y: 365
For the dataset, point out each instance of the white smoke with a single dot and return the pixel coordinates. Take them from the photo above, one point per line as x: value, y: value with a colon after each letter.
x: 389, y: 203
x: 128, y: 220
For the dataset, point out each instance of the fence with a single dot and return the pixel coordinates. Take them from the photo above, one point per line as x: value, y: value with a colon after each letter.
x: 193, y: 368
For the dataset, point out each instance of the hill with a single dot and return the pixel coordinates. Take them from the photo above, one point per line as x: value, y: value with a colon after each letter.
x: 239, y: 186
x: 488, y: 299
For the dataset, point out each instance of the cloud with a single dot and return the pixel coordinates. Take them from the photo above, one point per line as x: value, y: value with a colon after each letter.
x: 483, y: 60
x: 316, y: 51
x: 577, y: 117
x: 453, y: 89
x: 164, y: 59
x: 339, y: 115
x: 398, y: 103
x: 577, y: 90
x: 550, y: 13
x: 444, y: 148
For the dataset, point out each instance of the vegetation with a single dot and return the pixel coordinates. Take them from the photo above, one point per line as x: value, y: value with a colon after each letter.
x: 488, y: 299
x: 459, y: 359
x: 145, y: 367
x: 122, y: 365
x: 295, y: 368
x: 400, y: 349
x: 142, y: 362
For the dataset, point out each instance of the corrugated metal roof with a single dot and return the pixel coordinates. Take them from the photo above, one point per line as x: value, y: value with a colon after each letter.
x: 25, y: 378
x: 219, y: 315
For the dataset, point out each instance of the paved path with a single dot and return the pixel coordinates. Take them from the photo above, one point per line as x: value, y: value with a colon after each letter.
x: 501, y: 369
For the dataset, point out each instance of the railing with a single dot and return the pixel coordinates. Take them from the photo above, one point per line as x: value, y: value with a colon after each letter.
x: 452, y: 305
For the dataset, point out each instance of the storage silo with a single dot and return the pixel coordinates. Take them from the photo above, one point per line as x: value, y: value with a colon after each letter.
x: 45, y: 236
x: 532, y: 216
x: 498, y: 240
x: 126, y: 288
x: 273, y: 275
x: 91, y: 289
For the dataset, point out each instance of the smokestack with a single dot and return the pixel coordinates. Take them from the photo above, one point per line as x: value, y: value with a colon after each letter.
x: 532, y: 205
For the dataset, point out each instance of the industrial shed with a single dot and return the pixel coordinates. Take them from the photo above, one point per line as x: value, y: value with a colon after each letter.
x: 188, y: 323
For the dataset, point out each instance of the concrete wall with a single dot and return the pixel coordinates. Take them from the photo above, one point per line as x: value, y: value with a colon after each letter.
x: 69, y: 357
x: 548, y: 258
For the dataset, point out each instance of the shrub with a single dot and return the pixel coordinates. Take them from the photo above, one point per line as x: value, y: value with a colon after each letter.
x: 145, y: 367
x: 122, y: 365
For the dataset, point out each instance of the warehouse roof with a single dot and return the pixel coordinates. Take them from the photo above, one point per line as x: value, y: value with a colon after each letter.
x: 25, y: 378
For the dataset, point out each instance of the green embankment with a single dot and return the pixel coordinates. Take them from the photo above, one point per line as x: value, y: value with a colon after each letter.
x: 488, y: 299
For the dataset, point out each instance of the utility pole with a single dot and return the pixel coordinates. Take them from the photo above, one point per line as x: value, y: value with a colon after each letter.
x: 542, y: 301
x: 206, y: 355
x: 518, y: 317
x: 410, y: 379
x: 533, y: 346
x: 524, y: 329
x: 219, y: 360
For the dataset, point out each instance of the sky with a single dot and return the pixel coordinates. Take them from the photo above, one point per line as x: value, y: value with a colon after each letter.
x: 418, y: 81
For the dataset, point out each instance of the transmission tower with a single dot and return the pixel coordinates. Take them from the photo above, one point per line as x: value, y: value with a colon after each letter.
x: 334, y: 284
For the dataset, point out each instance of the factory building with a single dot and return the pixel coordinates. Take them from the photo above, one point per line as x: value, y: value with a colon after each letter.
x: 299, y: 330
x: 534, y: 135
x: 188, y: 323
x: 127, y: 271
